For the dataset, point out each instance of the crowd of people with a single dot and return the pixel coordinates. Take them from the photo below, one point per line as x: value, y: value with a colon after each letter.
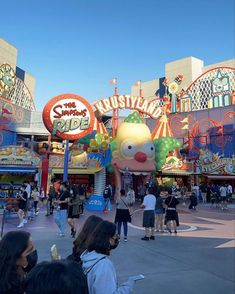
x: 217, y: 195
x: 66, y: 201
x: 87, y: 270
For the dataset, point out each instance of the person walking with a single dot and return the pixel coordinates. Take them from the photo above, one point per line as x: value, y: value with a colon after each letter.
x: 23, y: 197
x: 73, y: 210
x: 31, y: 206
x: 61, y: 204
x: 122, y: 214
x: 223, y: 195
x: 183, y: 192
x: 82, y: 198
x: 36, y: 196
x: 171, y: 214
x: 229, y: 192
x: 98, y: 267
x: 28, y: 203
x: 203, y: 190
x: 193, y: 201
x: 42, y: 197
x: 107, y: 196
x: 131, y: 196
x: 149, y: 204
x: 159, y: 212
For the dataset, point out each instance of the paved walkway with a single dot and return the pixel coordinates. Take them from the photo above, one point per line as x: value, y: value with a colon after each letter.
x: 200, y: 259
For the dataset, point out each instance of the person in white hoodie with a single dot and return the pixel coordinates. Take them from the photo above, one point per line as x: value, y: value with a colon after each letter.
x: 99, y: 269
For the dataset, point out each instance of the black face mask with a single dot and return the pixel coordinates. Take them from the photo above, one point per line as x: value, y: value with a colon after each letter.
x: 115, y: 244
x: 32, y: 260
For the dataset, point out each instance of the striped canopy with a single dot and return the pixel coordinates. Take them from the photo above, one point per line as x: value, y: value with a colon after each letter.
x: 162, y: 128
x: 99, y: 127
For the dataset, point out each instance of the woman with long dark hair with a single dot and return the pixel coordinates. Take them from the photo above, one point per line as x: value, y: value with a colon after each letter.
x: 80, y: 244
x: 17, y: 257
x: 122, y: 214
x: 99, y: 269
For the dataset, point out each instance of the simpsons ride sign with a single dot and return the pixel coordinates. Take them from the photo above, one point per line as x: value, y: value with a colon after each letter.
x: 68, y: 116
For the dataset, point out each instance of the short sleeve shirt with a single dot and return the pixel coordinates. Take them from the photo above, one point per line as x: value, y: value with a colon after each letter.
x: 63, y: 196
x: 171, y: 202
x: 22, y: 203
x: 223, y: 191
x: 149, y: 202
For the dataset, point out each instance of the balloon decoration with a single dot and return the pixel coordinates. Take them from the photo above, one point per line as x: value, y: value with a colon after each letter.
x: 163, y: 146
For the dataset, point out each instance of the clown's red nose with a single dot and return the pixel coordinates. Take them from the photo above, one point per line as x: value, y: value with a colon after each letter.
x: 140, y: 156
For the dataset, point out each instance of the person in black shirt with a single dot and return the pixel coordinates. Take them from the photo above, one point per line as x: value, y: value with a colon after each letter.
x: 171, y: 214
x: 11, y: 190
x: 73, y: 209
x: 23, y: 196
x: 82, y: 197
x: 61, y: 205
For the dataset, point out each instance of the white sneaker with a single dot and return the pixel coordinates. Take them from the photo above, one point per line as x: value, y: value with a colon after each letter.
x: 25, y: 221
x: 20, y: 225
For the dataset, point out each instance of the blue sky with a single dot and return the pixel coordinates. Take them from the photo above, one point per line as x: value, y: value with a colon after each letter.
x: 77, y: 46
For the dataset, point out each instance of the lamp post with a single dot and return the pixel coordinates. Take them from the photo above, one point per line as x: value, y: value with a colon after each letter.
x: 66, y: 161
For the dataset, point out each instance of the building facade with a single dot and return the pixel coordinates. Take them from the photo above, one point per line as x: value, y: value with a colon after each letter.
x: 198, y: 101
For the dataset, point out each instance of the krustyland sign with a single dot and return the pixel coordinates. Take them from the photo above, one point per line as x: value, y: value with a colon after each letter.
x: 128, y: 102
x: 68, y: 116
x: 221, y: 166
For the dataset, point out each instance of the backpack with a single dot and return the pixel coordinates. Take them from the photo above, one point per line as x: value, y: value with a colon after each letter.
x: 106, y: 193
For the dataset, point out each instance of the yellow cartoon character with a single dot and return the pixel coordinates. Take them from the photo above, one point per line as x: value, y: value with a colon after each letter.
x: 133, y: 149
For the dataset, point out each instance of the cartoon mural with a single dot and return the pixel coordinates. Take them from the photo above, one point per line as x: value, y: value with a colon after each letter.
x: 7, y: 80
x: 212, y: 163
x: 18, y: 156
x: 135, y: 152
x: 208, y: 134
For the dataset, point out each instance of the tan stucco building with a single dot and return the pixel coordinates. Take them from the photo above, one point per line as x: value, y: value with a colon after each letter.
x: 190, y: 67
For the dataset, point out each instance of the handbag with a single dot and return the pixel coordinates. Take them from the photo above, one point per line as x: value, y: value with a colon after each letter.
x: 126, y: 206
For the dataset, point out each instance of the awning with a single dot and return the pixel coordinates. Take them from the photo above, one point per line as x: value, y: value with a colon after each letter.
x: 76, y: 171
x: 175, y: 173
x: 220, y: 177
x: 21, y: 169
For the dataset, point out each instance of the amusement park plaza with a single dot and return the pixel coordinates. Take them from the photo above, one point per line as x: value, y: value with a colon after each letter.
x: 175, y: 143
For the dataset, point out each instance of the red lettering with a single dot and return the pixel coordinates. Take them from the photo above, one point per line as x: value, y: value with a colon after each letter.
x: 58, y: 115
x: 68, y: 112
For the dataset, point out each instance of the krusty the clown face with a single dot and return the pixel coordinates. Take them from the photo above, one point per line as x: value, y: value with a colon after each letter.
x: 134, y: 149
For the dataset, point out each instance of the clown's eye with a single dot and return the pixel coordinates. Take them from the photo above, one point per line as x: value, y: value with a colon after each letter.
x: 128, y: 149
x: 149, y: 149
